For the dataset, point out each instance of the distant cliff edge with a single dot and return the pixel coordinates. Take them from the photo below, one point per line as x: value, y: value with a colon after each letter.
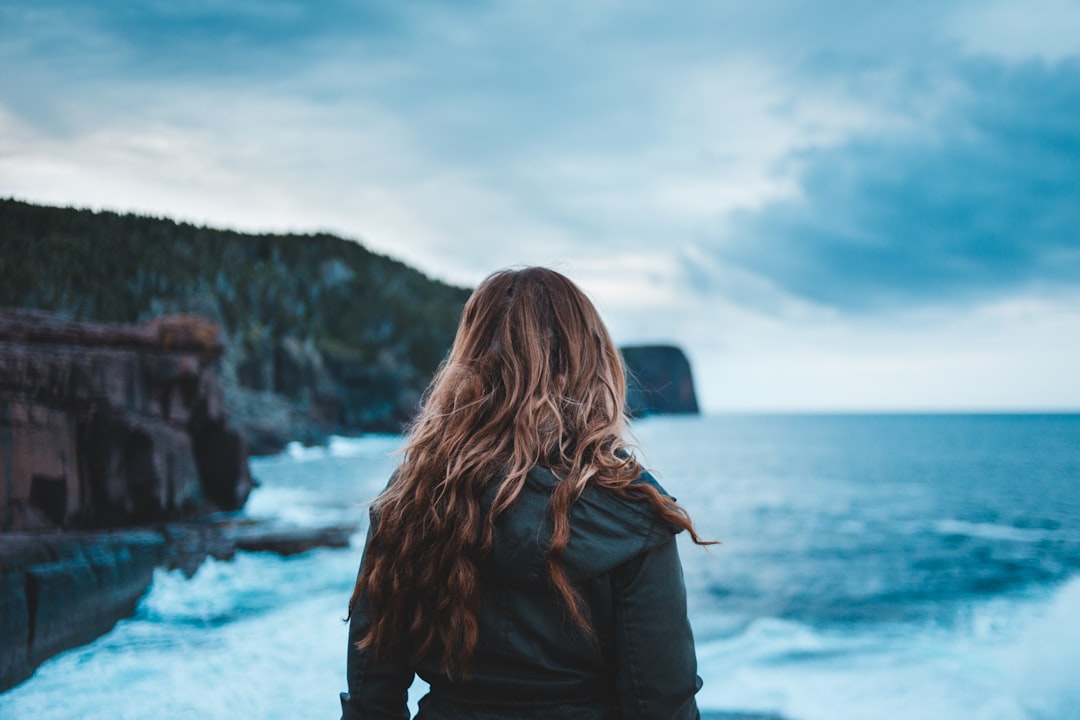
x: 320, y: 335
x: 659, y: 380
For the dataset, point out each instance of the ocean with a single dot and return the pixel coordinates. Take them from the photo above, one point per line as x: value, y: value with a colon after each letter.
x: 871, y: 567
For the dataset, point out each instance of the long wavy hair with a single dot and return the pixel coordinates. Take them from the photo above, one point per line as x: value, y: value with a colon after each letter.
x: 533, y: 379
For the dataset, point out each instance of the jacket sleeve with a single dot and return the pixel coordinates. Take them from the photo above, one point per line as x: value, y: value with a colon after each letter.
x: 378, y: 687
x: 656, y: 668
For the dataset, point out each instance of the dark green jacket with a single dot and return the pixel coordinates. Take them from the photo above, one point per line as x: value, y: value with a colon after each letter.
x: 531, y: 660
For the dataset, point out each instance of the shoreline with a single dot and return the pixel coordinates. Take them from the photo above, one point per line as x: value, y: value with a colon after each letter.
x: 63, y: 589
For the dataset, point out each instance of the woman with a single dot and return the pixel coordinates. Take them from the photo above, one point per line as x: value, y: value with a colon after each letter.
x: 520, y: 560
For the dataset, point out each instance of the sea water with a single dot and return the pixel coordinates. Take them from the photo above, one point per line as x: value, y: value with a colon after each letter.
x: 872, y: 567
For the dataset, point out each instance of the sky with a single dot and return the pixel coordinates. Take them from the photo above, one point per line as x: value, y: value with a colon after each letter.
x: 830, y: 205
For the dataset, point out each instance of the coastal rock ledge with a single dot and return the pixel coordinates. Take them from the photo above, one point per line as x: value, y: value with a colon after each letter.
x: 104, y: 427
x: 59, y: 590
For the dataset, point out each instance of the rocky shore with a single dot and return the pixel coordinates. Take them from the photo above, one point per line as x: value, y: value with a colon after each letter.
x: 60, y: 590
x: 116, y: 457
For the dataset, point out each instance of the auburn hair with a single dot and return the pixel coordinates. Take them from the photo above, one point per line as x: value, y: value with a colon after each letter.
x: 533, y: 379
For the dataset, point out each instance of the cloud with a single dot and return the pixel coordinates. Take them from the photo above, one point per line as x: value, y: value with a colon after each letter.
x: 983, y: 203
x: 459, y: 137
x: 749, y: 180
x: 1033, y: 29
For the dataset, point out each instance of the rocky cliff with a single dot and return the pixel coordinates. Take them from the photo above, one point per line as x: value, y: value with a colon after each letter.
x: 320, y: 334
x: 659, y: 380
x: 106, y: 426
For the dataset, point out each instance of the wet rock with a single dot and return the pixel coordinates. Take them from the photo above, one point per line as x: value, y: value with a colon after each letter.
x: 222, y: 459
x: 14, y: 629
x: 292, y: 541
x: 59, y: 590
x: 192, y: 543
x: 138, y: 470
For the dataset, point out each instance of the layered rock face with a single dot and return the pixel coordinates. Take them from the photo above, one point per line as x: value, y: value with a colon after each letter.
x: 659, y: 380
x: 103, y: 425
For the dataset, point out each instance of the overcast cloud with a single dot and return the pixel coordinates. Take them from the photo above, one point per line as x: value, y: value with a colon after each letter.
x: 982, y: 202
x: 829, y: 204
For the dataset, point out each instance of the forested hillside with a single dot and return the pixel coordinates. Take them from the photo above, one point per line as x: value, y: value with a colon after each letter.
x: 323, y: 335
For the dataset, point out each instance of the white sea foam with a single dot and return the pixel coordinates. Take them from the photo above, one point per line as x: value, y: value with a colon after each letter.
x: 249, y: 584
x: 301, y: 453
x: 299, y: 507
x: 366, y: 446
x: 260, y: 637
x: 1011, y: 660
x: 995, y: 531
x: 375, y: 445
x: 263, y: 637
x: 1045, y: 661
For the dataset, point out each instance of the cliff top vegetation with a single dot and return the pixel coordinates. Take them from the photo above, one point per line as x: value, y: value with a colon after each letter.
x: 115, y: 267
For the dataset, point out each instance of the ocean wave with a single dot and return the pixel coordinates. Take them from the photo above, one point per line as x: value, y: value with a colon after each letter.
x: 376, y: 445
x: 222, y: 592
x: 1012, y: 659
x: 995, y: 531
x: 1045, y: 660
x: 300, y: 507
x: 300, y: 452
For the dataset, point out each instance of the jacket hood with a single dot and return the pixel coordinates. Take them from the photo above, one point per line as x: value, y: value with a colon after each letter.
x: 605, y: 531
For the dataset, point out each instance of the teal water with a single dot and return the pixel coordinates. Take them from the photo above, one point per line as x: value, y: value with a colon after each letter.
x: 871, y: 567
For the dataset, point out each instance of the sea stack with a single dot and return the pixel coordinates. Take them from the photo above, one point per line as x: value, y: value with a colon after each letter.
x: 658, y: 381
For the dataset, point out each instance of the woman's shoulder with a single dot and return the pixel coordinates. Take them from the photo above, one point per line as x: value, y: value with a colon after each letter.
x: 631, y: 509
x: 646, y: 478
x: 631, y: 503
x: 607, y: 527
